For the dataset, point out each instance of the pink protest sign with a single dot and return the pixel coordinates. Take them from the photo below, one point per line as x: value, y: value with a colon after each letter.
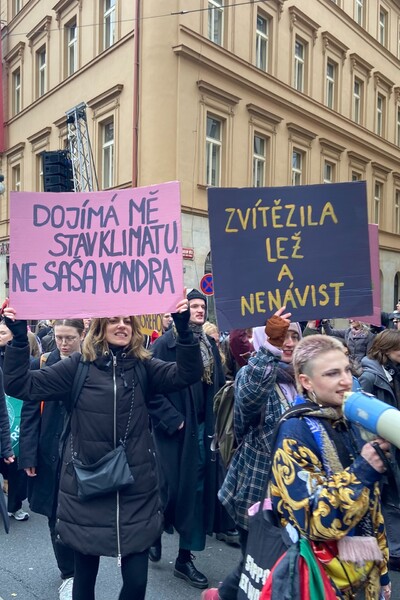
x: 375, y: 318
x: 96, y: 254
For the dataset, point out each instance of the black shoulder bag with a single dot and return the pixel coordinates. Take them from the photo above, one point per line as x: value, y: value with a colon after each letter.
x: 110, y: 473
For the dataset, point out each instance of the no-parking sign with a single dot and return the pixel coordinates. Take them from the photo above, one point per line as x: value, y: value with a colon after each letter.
x: 207, y: 285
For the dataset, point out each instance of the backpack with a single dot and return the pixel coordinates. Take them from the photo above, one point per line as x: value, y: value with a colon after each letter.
x: 224, y: 440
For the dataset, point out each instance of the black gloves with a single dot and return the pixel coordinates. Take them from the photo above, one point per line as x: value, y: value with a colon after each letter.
x: 19, y: 329
x: 181, y: 321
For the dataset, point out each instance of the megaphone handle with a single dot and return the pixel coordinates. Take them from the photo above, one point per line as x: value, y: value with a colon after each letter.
x: 382, y: 456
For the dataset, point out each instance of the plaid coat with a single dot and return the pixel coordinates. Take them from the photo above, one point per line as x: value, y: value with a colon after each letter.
x: 255, y: 388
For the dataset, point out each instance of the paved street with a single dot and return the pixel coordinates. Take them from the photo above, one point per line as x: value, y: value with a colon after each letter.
x: 28, y: 570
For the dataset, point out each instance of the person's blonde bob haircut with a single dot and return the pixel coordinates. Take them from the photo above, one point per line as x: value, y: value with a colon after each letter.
x: 307, y: 350
x: 95, y: 342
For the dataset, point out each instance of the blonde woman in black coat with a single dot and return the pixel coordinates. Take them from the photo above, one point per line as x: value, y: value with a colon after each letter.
x: 120, y: 382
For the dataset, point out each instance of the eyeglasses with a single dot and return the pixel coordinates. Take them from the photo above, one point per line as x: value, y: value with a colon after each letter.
x: 69, y: 339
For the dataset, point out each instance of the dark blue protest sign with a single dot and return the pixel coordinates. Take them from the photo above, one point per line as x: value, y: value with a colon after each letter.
x: 305, y: 247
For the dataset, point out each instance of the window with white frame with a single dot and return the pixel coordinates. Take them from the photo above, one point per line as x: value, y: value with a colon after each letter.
x: 329, y: 172
x: 359, y: 11
x: 297, y: 167
x: 41, y: 71
x: 378, y: 194
x: 398, y: 126
x: 356, y: 176
x: 16, y: 178
x: 299, y: 65
x: 331, y: 71
x: 16, y: 7
x: 71, y: 41
x: 16, y: 91
x: 107, y: 153
x: 39, y: 173
x: 259, y: 160
x: 216, y: 21
x: 262, y: 41
x: 213, y: 151
x: 398, y: 39
x: 357, y: 100
x: 109, y: 23
x: 383, y: 26
x: 380, y: 114
x: 397, y: 212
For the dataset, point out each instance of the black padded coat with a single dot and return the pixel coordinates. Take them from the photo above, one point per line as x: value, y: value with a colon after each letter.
x: 128, y: 521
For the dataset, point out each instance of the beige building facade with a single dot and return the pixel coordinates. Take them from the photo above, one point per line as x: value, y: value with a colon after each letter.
x: 209, y: 92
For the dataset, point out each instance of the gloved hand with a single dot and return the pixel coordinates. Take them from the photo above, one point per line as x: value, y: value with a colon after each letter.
x: 19, y: 329
x: 276, y: 329
x: 181, y: 320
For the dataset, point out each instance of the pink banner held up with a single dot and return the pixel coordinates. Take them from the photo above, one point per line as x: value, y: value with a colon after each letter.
x: 2, y: 145
x: 375, y: 318
x: 95, y: 254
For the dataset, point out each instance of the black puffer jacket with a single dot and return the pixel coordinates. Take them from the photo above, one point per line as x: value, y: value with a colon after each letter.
x: 129, y: 521
x: 40, y: 433
x: 373, y: 380
x: 5, y: 440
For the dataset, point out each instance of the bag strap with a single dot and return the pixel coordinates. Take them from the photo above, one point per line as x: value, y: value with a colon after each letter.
x: 140, y: 371
x: 43, y: 359
x: 77, y: 385
x: 281, y: 396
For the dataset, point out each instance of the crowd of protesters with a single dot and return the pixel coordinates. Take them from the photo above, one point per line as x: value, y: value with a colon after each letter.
x: 155, y: 396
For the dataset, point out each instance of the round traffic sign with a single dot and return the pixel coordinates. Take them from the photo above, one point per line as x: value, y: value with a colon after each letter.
x: 207, y: 285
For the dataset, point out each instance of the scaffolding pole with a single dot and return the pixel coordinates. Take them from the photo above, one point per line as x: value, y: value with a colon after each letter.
x: 83, y: 169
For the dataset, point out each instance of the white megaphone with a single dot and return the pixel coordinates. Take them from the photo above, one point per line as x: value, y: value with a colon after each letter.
x: 373, y: 415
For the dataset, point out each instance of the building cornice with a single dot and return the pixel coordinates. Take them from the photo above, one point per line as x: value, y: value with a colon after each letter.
x: 265, y: 115
x: 300, y: 131
x: 358, y: 157
x: 382, y: 81
x: 211, y: 90
x: 381, y: 168
x: 330, y: 42
x: 300, y: 19
x: 105, y: 97
x: 63, y: 4
x: 15, y: 53
x: 14, y: 149
x: 41, y: 27
x: 357, y: 62
x: 332, y: 146
x: 35, y: 137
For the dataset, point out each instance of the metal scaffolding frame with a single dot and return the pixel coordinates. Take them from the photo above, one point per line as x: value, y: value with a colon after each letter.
x: 83, y: 167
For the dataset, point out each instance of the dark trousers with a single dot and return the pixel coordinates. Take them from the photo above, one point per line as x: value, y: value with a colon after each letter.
x: 64, y: 554
x: 134, y: 576
x: 17, y: 484
x: 229, y: 587
x: 197, y: 540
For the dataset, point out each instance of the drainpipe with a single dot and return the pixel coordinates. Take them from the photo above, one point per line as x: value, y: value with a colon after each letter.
x: 136, y: 63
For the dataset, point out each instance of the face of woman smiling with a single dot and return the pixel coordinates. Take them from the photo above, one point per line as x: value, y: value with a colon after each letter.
x: 329, y: 378
x: 119, y: 331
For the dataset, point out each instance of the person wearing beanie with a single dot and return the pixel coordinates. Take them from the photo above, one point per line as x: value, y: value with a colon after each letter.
x: 264, y: 389
x: 188, y: 468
